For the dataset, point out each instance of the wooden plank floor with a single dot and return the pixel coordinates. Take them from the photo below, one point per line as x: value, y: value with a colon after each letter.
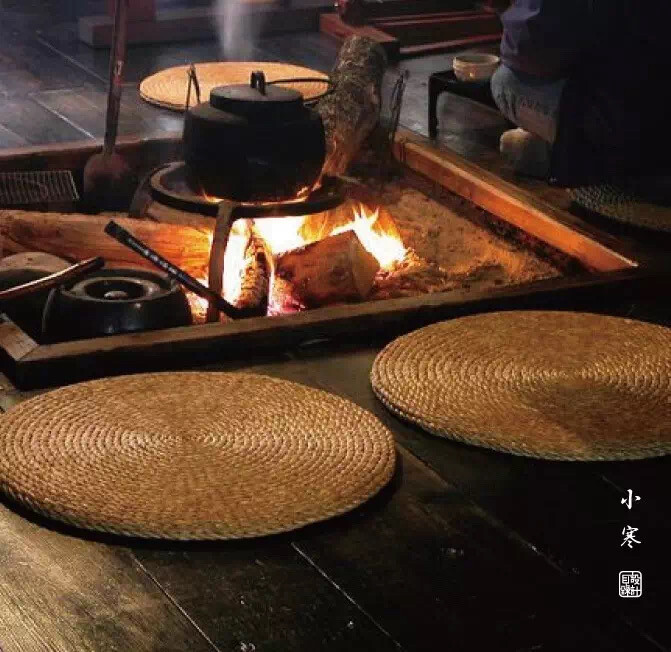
x: 466, y: 550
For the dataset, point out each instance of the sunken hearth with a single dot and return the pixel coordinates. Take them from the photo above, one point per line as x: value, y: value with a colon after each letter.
x: 346, y: 243
x: 354, y: 242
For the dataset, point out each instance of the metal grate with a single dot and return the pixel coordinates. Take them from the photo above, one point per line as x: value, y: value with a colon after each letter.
x: 25, y: 188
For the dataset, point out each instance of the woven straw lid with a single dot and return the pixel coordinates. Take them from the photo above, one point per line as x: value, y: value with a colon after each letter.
x: 556, y: 385
x: 192, y: 455
x: 623, y: 205
x: 168, y: 88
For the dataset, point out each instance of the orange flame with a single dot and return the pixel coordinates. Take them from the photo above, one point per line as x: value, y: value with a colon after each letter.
x: 385, y: 246
x: 283, y: 234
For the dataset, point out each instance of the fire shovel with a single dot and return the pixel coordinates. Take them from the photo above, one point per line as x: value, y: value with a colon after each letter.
x: 108, y: 181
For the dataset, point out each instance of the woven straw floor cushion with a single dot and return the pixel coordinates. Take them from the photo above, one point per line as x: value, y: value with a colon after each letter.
x: 168, y: 88
x: 555, y: 385
x: 623, y: 205
x: 192, y: 455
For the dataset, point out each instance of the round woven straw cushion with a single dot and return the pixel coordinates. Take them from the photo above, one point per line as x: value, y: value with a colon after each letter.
x: 168, y: 88
x: 623, y: 206
x: 554, y: 385
x: 192, y: 455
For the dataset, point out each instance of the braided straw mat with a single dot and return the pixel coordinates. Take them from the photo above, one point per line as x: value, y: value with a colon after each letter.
x: 623, y: 206
x: 168, y: 87
x: 192, y: 455
x: 564, y: 386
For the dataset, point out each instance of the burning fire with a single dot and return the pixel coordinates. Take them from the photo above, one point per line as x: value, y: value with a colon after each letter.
x: 282, y: 234
x: 234, y: 268
x: 384, y: 245
x: 286, y: 233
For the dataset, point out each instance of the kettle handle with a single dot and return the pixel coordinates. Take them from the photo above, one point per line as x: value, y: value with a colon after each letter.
x: 258, y: 81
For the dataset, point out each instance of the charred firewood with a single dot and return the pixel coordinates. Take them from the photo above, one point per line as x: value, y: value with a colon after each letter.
x: 255, y: 274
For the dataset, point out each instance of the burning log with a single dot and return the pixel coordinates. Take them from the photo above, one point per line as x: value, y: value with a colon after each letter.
x: 352, y: 110
x: 254, y: 275
x: 334, y: 270
x: 77, y: 237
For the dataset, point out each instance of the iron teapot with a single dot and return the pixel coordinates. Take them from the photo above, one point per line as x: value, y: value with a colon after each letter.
x: 254, y: 143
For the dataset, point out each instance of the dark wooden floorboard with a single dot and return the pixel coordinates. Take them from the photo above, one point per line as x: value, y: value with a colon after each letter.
x: 421, y: 557
x: 37, y: 125
x: 141, y: 61
x: 9, y: 139
x: 306, y: 49
x: 34, y: 65
x: 263, y: 594
x: 85, y: 108
x: 568, y: 512
x: 65, y: 593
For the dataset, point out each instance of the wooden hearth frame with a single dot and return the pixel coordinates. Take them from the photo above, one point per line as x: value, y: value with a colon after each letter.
x: 617, y: 268
x: 459, y: 30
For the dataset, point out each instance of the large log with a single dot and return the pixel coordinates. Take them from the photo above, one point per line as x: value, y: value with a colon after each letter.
x: 76, y: 237
x: 334, y: 270
x: 352, y: 110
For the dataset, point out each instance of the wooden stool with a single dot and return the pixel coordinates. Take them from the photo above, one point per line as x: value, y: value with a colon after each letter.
x: 446, y: 80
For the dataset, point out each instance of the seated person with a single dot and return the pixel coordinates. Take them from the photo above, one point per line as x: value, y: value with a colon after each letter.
x: 585, y: 82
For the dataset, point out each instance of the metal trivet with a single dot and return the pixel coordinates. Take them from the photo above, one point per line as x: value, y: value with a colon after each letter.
x: 168, y: 185
x: 28, y: 188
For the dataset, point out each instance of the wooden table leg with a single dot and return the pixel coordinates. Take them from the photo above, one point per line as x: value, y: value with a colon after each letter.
x: 435, y: 89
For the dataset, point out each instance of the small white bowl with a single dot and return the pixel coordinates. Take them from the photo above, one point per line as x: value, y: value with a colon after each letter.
x: 475, y: 67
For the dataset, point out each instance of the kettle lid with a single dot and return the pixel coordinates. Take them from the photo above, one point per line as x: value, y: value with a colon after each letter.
x: 257, y: 97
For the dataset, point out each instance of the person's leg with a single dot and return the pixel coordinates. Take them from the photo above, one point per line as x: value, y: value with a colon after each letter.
x: 529, y: 102
x: 532, y: 104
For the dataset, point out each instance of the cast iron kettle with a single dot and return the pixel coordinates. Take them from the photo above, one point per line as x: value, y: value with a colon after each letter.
x: 256, y: 142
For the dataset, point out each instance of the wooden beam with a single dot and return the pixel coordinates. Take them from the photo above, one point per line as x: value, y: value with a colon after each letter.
x: 428, y: 16
x: 332, y: 25
x: 560, y: 229
x: 447, y: 46
x: 190, y: 345
x: 446, y: 21
x: 77, y: 237
x: 416, y: 33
